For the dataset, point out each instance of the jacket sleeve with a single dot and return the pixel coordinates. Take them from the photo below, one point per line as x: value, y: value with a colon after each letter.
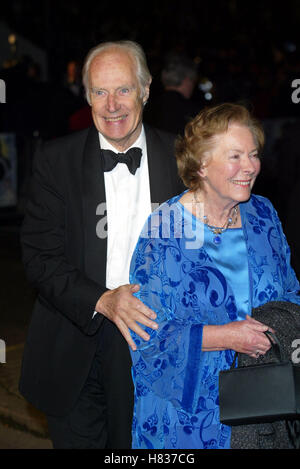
x: 61, y: 285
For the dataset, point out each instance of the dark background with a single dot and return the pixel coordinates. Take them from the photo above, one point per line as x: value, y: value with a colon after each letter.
x: 249, y: 51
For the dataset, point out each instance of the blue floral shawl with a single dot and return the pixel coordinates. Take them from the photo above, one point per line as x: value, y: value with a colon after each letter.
x: 176, y: 383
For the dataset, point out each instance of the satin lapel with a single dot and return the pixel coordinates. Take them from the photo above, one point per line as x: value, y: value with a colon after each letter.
x: 159, y: 172
x: 94, y: 210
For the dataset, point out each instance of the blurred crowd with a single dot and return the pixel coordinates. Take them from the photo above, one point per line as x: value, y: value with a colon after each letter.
x: 261, y: 77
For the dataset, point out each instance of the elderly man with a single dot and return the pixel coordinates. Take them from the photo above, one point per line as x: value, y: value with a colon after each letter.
x: 87, y: 205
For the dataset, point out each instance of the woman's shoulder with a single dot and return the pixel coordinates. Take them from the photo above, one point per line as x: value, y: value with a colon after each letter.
x: 259, y: 201
x: 259, y: 206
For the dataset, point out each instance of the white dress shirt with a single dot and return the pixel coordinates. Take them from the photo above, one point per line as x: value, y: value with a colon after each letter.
x: 128, y: 205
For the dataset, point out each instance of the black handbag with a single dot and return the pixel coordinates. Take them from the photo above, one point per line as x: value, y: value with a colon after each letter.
x: 260, y: 393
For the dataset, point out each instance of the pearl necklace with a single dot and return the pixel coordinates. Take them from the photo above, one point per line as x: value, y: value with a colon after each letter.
x: 218, y: 231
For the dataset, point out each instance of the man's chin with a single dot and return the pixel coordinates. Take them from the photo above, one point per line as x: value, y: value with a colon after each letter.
x: 121, y: 140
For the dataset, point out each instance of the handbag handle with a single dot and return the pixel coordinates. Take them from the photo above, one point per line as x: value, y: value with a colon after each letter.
x: 275, y: 345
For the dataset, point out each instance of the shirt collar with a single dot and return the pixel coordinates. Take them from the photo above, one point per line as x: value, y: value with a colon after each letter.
x: 140, y: 142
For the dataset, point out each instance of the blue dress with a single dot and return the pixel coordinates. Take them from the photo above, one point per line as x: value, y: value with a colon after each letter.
x: 189, y: 283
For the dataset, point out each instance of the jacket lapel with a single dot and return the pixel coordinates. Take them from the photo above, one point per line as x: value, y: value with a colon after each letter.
x: 94, y: 210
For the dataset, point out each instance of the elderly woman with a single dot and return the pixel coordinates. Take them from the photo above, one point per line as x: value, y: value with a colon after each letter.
x: 204, y: 260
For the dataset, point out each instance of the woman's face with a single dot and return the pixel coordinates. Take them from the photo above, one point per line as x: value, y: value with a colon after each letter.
x: 233, y: 165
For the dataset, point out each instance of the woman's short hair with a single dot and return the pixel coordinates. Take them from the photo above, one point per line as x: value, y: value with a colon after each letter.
x: 198, y: 141
x: 134, y: 49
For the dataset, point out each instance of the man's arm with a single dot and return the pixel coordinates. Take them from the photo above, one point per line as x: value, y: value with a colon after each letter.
x: 44, y: 244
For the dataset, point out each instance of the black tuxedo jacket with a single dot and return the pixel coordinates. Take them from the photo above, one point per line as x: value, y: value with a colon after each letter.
x: 66, y: 260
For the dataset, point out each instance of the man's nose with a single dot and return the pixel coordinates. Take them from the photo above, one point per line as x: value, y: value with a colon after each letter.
x: 112, y: 103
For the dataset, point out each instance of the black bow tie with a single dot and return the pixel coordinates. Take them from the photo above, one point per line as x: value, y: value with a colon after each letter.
x: 132, y: 158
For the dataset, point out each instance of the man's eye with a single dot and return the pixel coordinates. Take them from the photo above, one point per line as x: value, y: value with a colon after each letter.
x: 97, y: 92
x: 124, y: 91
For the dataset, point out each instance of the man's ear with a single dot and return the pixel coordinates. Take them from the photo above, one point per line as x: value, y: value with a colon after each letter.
x: 147, y: 92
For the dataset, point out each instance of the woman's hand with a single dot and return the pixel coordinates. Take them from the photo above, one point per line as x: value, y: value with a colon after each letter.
x: 242, y: 336
x: 247, y: 337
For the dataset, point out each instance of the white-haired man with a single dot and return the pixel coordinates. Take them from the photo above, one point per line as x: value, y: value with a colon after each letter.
x: 88, y: 203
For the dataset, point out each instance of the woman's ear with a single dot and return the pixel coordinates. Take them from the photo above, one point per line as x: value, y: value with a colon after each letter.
x: 204, y: 165
x: 202, y: 171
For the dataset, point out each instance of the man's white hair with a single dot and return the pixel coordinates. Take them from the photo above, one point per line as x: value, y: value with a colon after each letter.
x: 134, y: 49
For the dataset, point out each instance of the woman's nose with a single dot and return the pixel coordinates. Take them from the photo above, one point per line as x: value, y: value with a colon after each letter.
x: 249, y: 165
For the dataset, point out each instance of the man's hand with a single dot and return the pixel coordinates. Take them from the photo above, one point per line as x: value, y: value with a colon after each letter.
x: 125, y: 310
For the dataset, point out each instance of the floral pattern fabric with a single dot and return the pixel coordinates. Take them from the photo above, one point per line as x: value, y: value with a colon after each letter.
x: 176, y: 383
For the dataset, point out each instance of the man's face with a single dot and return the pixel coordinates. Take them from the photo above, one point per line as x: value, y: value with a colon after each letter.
x: 117, y: 105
